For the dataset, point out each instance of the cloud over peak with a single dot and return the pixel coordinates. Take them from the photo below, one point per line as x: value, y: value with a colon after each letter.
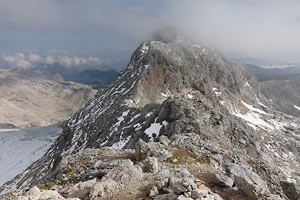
x: 267, y: 28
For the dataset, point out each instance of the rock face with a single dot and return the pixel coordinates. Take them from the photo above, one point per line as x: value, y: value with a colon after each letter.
x: 284, y: 95
x: 281, y: 87
x: 29, y: 98
x: 181, y: 107
x: 117, y: 174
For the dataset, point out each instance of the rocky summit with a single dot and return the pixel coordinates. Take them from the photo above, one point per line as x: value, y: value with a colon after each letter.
x: 181, y: 122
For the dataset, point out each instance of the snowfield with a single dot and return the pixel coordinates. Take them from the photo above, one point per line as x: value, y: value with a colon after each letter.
x: 21, y: 147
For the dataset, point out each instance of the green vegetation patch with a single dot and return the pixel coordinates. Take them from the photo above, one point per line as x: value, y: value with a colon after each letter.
x: 46, y: 186
x: 205, y: 160
x: 181, y: 156
x: 70, y: 171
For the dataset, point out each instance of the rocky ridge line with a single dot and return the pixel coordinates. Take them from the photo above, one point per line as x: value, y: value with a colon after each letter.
x: 212, y: 106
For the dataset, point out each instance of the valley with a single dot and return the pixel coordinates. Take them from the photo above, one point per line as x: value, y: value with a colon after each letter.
x: 29, y: 98
x: 33, y: 109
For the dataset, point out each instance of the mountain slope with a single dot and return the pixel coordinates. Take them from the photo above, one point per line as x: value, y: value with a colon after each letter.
x: 263, y: 74
x: 283, y: 95
x: 280, y: 86
x: 151, y: 77
x: 205, y: 104
x: 29, y: 98
x: 81, y: 74
x: 97, y: 76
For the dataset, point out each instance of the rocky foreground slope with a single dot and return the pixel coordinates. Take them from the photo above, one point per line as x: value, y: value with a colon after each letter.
x: 29, y: 98
x: 209, y: 133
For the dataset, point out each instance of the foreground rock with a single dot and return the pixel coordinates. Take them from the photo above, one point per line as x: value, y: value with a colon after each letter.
x: 165, y: 172
x: 117, y: 174
x: 29, y: 98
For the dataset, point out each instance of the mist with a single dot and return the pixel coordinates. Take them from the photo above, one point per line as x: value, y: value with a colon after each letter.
x: 263, y: 29
x: 260, y: 28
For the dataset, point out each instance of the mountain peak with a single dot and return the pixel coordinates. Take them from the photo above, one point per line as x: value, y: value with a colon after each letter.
x: 176, y: 89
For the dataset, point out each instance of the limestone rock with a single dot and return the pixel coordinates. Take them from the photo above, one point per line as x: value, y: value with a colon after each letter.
x: 151, y: 165
x: 143, y: 150
x: 49, y: 195
x: 221, y: 180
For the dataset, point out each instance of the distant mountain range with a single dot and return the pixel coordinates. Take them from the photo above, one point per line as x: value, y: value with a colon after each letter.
x: 265, y: 74
x: 85, y: 76
x: 91, y: 76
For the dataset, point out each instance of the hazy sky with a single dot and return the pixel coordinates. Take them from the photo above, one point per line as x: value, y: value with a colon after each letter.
x: 268, y: 29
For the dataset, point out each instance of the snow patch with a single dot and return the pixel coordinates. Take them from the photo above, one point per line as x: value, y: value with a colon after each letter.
x: 217, y: 92
x: 251, y: 108
x: 253, y: 117
x: 149, y: 114
x: 137, y: 126
x: 136, y: 116
x: 260, y: 103
x: 120, y: 144
x: 144, y: 50
x: 190, y: 96
x: 164, y: 95
x: 247, y: 84
x: 8, y: 130
x: 298, y: 108
x: 31, y: 144
x: 121, y: 118
x: 279, y: 125
x: 146, y: 67
x: 154, y: 129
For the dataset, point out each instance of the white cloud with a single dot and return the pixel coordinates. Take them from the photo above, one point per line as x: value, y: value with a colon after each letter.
x: 9, y: 59
x: 35, y: 58
x: 20, y: 56
x: 50, y: 60
x: 65, y: 61
x: 77, y: 61
x: 18, y: 60
x: 259, y: 28
x: 23, y: 64
x: 267, y: 28
x: 93, y: 60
